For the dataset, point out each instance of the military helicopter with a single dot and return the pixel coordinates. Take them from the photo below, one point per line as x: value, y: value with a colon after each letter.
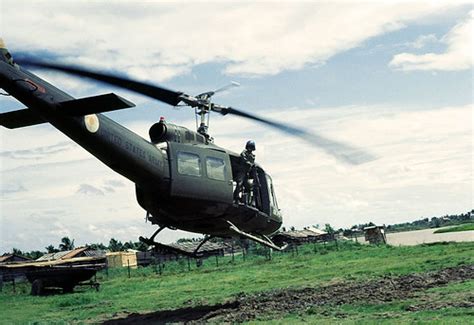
x: 183, y: 180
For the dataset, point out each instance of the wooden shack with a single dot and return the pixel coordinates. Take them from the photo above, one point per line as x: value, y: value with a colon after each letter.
x: 13, y: 258
x: 299, y: 237
x: 177, y: 250
x: 122, y: 259
x: 375, y: 235
x: 73, y: 253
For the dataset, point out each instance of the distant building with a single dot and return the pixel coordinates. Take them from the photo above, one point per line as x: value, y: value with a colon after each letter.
x: 375, y: 235
x: 298, y: 237
x: 177, y: 250
x: 12, y: 258
x: 77, y: 252
x: 122, y: 259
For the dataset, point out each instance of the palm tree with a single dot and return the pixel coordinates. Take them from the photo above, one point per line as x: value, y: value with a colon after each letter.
x: 51, y: 249
x: 35, y: 254
x: 329, y: 229
x: 115, y: 245
x: 16, y: 251
x: 66, y: 244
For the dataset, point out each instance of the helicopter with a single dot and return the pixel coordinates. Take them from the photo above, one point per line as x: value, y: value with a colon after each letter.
x: 183, y: 180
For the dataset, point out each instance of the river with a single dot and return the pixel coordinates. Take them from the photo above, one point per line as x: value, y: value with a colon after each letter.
x: 415, y: 237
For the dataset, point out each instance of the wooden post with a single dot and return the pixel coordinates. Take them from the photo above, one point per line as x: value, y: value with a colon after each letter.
x: 128, y: 266
x: 217, y: 260
x: 233, y: 257
x: 189, y: 265
x: 13, y: 282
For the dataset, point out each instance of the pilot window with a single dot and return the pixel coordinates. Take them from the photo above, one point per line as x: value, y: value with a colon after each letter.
x: 189, y: 164
x: 215, y: 168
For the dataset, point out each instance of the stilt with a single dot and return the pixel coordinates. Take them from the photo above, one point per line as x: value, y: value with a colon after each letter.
x: 207, y: 238
x: 151, y: 241
x: 264, y: 241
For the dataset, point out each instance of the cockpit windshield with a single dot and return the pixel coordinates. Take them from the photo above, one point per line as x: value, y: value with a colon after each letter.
x: 271, y: 192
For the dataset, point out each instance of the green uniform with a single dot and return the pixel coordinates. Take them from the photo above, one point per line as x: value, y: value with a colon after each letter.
x: 247, y: 158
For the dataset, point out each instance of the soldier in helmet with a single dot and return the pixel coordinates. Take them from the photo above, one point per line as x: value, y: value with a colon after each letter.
x: 248, y: 160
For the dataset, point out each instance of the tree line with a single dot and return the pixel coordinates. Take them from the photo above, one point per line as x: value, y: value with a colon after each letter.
x: 433, y: 222
x: 67, y: 244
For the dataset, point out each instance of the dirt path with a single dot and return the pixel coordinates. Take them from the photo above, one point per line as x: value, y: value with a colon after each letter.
x: 275, y: 303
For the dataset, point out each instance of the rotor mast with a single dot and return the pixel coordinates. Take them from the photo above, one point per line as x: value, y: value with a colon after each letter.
x: 203, y: 110
x: 203, y: 106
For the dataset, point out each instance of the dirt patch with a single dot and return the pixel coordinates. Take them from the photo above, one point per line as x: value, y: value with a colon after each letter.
x: 182, y: 315
x: 273, y: 304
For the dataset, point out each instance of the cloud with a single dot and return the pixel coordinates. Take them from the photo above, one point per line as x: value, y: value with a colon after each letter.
x: 108, y: 189
x: 458, y: 54
x: 158, y: 41
x: 38, y: 152
x: 11, y: 188
x: 88, y: 189
x: 114, y: 183
x: 423, y: 40
x: 36, y: 145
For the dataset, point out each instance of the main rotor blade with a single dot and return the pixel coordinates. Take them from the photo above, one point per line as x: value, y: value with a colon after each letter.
x: 162, y: 94
x: 224, y: 88
x: 340, y: 151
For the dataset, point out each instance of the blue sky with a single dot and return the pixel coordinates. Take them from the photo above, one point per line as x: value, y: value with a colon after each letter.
x: 392, y: 78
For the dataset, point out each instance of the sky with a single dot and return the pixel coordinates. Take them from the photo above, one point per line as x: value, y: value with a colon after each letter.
x: 392, y: 78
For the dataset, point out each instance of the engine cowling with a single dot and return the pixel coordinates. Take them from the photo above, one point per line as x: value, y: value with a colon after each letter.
x: 161, y: 132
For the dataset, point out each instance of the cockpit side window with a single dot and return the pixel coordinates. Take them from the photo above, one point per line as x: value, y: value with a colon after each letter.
x: 189, y: 164
x: 215, y: 168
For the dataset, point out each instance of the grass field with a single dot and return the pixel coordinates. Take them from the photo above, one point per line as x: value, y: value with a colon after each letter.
x: 314, y: 266
x: 464, y: 227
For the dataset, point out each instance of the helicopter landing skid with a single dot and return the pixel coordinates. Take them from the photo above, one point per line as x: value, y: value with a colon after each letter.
x: 264, y: 241
x: 151, y: 241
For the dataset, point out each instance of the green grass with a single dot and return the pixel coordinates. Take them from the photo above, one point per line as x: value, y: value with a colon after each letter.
x: 315, y: 265
x: 465, y: 227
